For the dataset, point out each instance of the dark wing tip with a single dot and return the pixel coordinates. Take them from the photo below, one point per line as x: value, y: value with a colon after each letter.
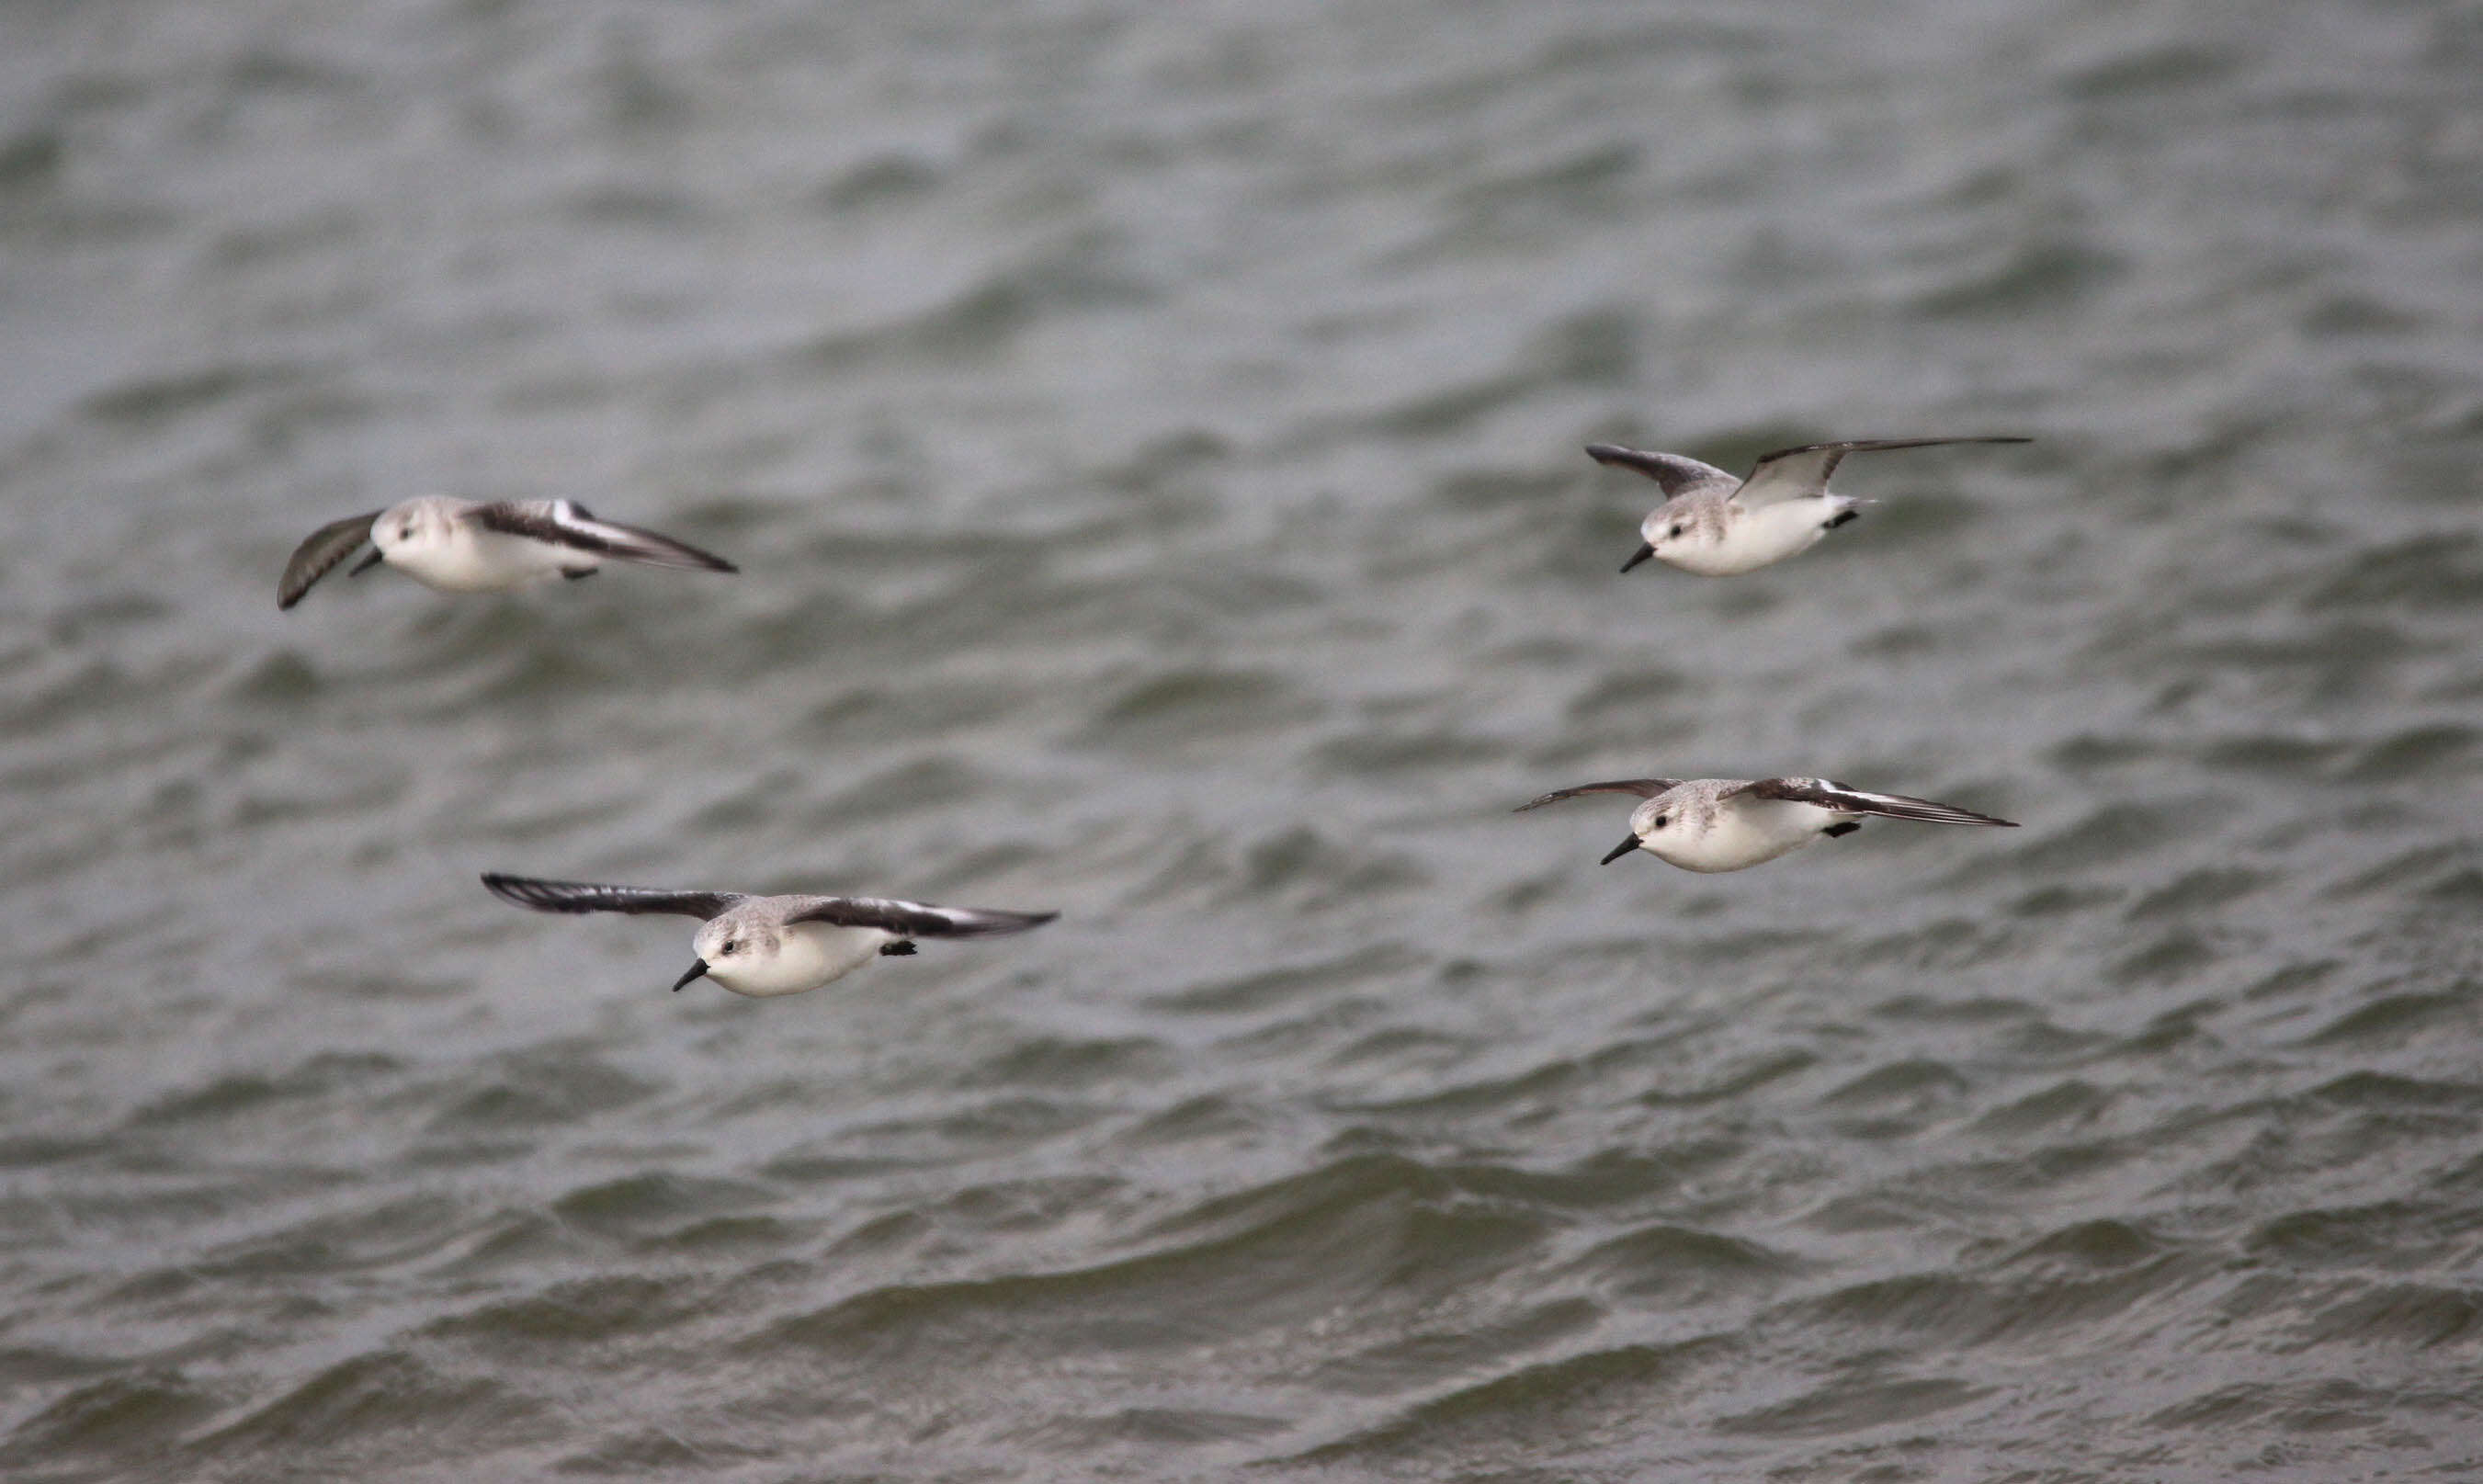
x: 987, y: 921
x: 1554, y: 797
x: 671, y: 552
x: 657, y: 549
x: 1959, y: 814
x: 318, y: 555
x: 996, y: 923
x: 919, y: 919
x: 508, y: 888
x: 586, y: 896
x: 1835, y: 795
x: 1981, y: 438
x: 569, y: 896
x: 1886, y: 445
x: 1637, y: 787
x: 526, y: 892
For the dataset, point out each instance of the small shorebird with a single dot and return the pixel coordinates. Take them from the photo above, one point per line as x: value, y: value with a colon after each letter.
x: 768, y: 945
x: 1728, y: 824
x: 1716, y: 526
x: 482, y: 547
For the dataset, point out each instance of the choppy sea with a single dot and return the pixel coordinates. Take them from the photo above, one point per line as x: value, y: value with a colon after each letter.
x: 1150, y: 436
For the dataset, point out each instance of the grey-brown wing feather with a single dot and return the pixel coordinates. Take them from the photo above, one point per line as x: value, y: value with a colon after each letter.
x: 568, y: 524
x: 1788, y: 473
x: 916, y: 919
x: 318, y: 555
x: 1640, y: 788
x: 1672, y: 472
x: 587, y: 897
x: 1826, y: 793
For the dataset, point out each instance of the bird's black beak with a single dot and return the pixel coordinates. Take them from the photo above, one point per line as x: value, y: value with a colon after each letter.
x: 377, y: 557
x: 1619, y: 850
x: 1637, y: 556
x: 697, y: 969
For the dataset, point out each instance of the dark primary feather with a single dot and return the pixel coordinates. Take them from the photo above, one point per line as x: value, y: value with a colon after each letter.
x: 534, y: 520
x: 1837, y: 451
x: 1671, y: 471
x: 542, y: 520
x: 919, y: 919
x: 1845, y: 799
x: 319, y: 555
x: 587, y: 897
x: 1643, y: 788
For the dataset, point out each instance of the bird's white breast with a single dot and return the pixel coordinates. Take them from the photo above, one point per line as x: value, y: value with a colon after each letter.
x: 1758, y: 537
x: 807, y: 955
x: 466, y: 558
x: 1741, y: 833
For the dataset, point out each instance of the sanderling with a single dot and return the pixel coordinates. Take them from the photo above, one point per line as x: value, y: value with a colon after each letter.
x: 1715, y: 525
x: 767, y: 946
x: 1728, y: 824
x: 483, y: 547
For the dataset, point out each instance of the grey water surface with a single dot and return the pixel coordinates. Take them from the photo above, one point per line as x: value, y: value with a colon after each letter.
x: 1150, y: 435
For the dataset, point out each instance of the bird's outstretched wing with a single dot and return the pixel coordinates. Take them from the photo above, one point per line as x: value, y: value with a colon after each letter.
x: 915, y: 919
x: 586, y: 896
x: 1846, y: 800
x: 1672, y: 472
x: 1794, y: 473
x: 1641, y: 787
x: 568, y: 524
x: 319, y: 555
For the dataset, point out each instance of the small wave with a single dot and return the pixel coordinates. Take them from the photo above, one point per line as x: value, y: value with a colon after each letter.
x: 382, y: 1404
x: 1369, y: 1230
x: 655, y: 1202
x: 1850, y: 1406
x: 1276, y: 988
x: 1545, y: 1410
x: 127, y: 1420
x: 1678, y: 1266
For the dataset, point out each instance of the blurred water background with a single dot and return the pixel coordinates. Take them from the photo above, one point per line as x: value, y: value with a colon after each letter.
x: 1151, y: 438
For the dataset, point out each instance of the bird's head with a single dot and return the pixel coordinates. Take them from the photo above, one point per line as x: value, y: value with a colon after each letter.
x: 730, y: 946
x: 412, y: 523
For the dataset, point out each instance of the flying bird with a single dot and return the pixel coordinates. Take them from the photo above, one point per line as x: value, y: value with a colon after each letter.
x: 1716, y: 526
x: 768, y: 945
x: 1729, y: 823
x: 483, y: 547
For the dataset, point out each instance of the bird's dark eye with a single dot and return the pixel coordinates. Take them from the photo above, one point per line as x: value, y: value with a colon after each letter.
x: 1676, y: 530
x: 730, y: 947
x: 1659, y: 822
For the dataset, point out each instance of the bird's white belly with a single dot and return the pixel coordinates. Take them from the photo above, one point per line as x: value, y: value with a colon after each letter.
x: 807, y: 955
x: 1745, y: 834
x: 473, y: 561
x: 1758, y: 537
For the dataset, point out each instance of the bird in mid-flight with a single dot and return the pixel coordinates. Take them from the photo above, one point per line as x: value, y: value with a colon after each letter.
x: 767, y: 946
x: 483, y: 547
x: 1727, y: 824
x: 1716, y: 526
